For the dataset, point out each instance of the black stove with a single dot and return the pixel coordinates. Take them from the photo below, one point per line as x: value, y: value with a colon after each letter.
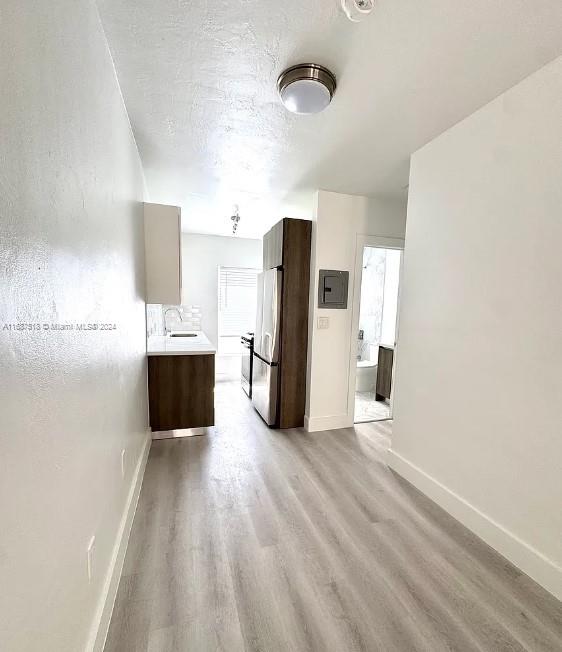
x: 247, y: 342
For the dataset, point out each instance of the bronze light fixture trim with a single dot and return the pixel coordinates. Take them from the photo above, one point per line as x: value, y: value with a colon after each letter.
x: 306, y: 88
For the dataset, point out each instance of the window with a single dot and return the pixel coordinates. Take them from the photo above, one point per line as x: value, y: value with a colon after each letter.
x: 237, y: 306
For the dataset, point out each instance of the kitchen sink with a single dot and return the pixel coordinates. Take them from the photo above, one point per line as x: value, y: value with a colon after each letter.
x: 183, y: 334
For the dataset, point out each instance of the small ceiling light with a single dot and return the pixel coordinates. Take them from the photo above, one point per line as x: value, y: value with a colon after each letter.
x: 235, y: 219
x: 306, y: 88
x: 357, y: 10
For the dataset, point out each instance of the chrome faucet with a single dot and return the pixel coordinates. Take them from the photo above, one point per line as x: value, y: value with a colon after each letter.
x: 166, y: 312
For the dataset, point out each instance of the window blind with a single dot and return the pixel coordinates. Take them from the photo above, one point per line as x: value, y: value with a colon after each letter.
x: 237, y: 300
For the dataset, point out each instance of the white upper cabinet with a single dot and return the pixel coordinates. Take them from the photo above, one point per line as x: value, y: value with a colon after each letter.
x: 162, y: 241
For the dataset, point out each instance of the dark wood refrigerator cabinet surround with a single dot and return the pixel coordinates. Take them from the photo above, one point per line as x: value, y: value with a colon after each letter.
x: 181, y: 391
x: 287, y: 245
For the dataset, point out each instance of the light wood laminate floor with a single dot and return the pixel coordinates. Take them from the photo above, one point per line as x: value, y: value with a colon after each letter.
x: 259, y: 540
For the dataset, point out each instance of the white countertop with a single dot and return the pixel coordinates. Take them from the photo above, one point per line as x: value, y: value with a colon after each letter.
x: 198, y: 345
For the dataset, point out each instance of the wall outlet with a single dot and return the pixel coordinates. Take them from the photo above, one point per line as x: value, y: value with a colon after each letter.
x: 323, y: 323
x: 90, y: 558
x: 123, y: 463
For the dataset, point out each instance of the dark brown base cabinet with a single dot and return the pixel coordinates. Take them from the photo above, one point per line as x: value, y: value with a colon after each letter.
x: 181, y: 390
x: 384, y: 372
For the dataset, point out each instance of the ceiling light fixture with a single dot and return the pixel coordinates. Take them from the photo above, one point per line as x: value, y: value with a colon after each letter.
x: 357, y: 10
x: 306, y: 88
x: 235, y: 219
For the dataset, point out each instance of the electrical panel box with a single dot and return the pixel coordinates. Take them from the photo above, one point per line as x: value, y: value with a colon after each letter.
x: 332, y: 289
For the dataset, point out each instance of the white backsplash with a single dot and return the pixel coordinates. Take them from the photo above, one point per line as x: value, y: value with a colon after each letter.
x: 190, y: 318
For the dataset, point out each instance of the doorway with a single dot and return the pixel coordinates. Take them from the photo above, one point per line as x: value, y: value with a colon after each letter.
x: 375, y: 330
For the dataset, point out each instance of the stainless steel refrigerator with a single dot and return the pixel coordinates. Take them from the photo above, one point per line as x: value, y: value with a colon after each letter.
x: 265, y: 377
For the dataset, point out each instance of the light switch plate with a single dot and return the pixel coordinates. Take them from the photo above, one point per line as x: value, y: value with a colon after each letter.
x: 323, y: 323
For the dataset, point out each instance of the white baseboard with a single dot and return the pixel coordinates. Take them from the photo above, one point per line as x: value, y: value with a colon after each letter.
x: 334, y: 422
x: 532, y: 562
x: 111, y: 584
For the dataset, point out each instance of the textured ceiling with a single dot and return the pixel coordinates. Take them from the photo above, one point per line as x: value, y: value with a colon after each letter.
x: 198, y: 78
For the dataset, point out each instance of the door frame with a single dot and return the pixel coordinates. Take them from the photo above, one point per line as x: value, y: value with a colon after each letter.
x: 362, y: 242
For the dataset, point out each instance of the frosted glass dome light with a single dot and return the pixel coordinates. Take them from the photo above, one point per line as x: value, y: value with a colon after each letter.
x: 306, y: 88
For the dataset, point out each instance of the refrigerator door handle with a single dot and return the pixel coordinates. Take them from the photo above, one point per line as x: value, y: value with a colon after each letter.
x: 267, y: 362
x: 274, y: 335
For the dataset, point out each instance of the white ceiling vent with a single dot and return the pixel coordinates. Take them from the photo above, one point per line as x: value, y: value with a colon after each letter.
x: 357, y: 10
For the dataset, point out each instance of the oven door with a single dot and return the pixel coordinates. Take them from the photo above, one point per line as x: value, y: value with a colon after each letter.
x: 247, y: 362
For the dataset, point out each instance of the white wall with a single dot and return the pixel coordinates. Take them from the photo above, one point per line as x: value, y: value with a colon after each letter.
x: 202, y: 256
x: 337, y: 222
x: 71, y: 251
x: 478, y: 410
